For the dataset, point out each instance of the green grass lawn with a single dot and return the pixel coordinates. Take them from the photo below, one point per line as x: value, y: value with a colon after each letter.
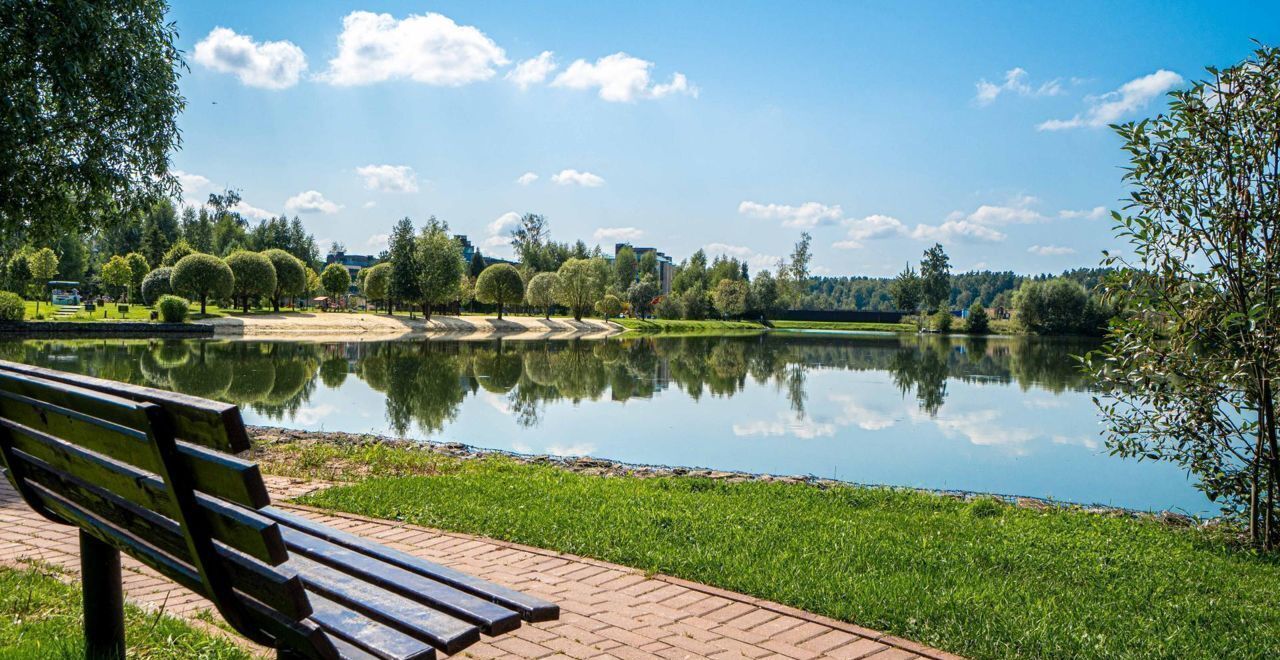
x: 684, y: 326
x: 40, y: 617
x: 841, y: 325
x: 982, y: 579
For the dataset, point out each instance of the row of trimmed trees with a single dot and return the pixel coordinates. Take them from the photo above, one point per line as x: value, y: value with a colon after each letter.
x: 244, y: 278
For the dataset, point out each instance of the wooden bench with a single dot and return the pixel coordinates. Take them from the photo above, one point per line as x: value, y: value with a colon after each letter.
x: 154, y: 474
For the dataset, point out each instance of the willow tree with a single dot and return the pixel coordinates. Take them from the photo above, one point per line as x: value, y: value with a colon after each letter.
x: 89, y: 116
x: 1191, y: 368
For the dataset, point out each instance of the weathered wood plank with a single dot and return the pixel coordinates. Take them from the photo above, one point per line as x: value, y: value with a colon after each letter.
x: 211, y: 424
x: 530, y: 608
x: 412, y: 618
x: 492, y: 618
x: 273, y: 587
x: 218, y: 474
x: 368, y: 635
x: 295, y: 632
x: 240, y: 528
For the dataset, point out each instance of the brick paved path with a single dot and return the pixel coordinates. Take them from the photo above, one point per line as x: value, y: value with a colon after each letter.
x: 607, y: 611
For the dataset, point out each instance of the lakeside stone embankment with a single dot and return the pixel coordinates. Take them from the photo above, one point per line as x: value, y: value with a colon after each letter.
x: 268, y: 442
x: 333, y: 326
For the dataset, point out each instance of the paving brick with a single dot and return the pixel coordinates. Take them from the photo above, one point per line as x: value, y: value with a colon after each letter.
x: 607, y: 611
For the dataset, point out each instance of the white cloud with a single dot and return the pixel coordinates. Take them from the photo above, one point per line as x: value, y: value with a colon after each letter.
x: 379, y: 241
x: 532, y: 71
x: 806, y: 429
x: 621, y: 78
x: 1112, y: 106
x: 618, y: 234
x: 1015, y: 82
x: 870, y: 228
x: 1095, y: 213
x: 370, y: 204
x: 574, y: 177
x: 961, y: 230
x: 311, y: 201
x: 1050, y: 250
x: 270, y: 64
x: 250, y: 211
x: 805, y: 216
x: 496, y: 242
x: 428, y: 48
x: 312, y: 415
x: 526, y: 178
x: 503, y: 223
x: 580, y: 449
x: 189, y: 182
x: 389, y: 178
x: 853, y: 413
x: 755, y: 260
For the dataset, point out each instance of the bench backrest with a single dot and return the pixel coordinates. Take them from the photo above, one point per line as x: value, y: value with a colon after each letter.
x: 148, y: 472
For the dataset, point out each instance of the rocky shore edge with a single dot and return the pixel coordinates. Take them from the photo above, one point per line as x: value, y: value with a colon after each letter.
x: 265, y: 436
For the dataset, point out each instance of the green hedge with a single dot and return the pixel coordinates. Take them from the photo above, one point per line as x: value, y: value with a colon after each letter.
x: 12, y: 308
x: 173, y: 309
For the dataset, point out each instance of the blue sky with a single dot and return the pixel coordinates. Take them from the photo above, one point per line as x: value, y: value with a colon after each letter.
x: 879, y: 127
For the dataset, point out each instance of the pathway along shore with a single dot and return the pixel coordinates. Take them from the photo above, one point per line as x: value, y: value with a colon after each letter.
x: 345, y: 326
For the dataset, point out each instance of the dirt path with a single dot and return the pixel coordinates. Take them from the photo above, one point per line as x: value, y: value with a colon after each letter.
x: 331, y: 326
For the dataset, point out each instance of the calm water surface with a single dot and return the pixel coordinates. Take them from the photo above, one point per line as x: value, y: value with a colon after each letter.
x: 1003, y: 415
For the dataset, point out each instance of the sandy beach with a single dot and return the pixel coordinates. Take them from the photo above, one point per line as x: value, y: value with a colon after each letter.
x: 333, y: 326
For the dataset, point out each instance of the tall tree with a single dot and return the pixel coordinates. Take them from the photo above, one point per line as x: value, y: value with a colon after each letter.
x: 935, y: 278
x: 1191, y: 369
x: 89, y: 114
x: 905, y: 289
x: 529, y: 238
x: 403, y: 284
x: 799, y: 269
x: 159, y: 230
x: 625, y: 267
x: 477, y: 264
x: 440, y: 266
x: 580, y: 286
x: 43, y: 264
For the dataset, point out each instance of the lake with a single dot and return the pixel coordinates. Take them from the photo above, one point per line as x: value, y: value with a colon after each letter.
x: 1002, y: 415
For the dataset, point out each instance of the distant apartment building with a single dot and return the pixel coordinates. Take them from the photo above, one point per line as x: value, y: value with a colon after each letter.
x: 666, y: 268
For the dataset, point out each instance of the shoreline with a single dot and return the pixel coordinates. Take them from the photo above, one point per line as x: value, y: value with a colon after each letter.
x: 604, y: 467
x: 345, y: 326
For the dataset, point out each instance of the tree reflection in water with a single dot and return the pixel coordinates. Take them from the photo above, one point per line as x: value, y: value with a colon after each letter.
x: 426, y: 382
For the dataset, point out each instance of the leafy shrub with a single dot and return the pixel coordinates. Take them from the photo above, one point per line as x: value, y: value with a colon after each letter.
x: 1060, y: 307
x: 942, y: 321
x: 12, y: 308
x: 978, y: 323
x: 173, y: 309
x: 668, y: 308
x: 156, y: 284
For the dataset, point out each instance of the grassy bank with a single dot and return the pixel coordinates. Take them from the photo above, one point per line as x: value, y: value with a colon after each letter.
x: 684, y: 326
x: 844, y: 326
x: 982, y: 579
x: 40, y: 617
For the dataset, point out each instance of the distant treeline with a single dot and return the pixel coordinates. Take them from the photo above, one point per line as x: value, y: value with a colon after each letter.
x: 988, y: 288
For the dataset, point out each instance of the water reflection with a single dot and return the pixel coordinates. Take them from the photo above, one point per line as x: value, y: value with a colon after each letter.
x: 425, y: 383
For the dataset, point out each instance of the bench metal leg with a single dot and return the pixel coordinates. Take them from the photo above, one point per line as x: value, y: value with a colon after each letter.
x: 103, y: 599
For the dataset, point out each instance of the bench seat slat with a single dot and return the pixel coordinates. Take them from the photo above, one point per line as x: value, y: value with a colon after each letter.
x: 218, y: 474
x: 349, y: 651
x: 492, y: 618
x: 410, y: 617
x: 242, y: 529
x: 529, y: 607
x: 211, y: 424
x: 297, y: 631
x: 279, y: 590
x: 370, y: 636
